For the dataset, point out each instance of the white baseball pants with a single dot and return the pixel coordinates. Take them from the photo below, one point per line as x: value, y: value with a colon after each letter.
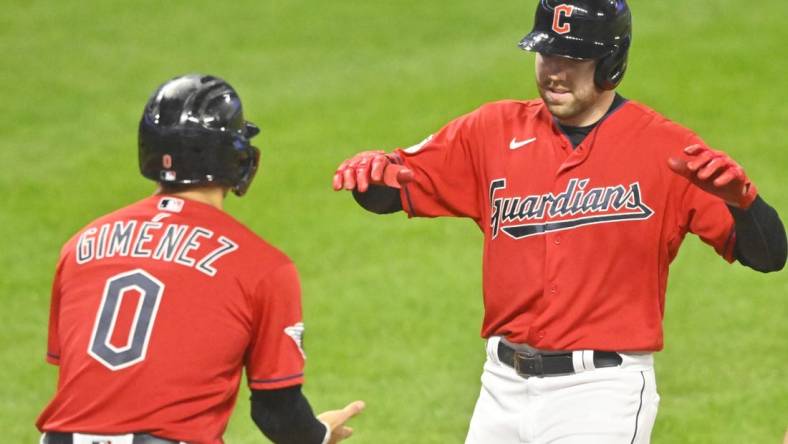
x: 599, y: 406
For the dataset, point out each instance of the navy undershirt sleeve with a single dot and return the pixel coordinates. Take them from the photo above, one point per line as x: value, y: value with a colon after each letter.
x: 760, y: 237
x: 379, y: 199
x: 285, y: 416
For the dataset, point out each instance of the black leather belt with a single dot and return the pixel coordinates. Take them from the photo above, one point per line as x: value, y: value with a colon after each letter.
x: 530, y: 362
x: 68, y: 438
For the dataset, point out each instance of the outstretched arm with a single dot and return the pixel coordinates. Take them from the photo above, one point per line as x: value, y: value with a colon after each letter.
x: 760, y: 235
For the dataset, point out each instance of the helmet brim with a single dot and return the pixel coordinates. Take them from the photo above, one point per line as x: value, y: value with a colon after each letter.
x: 544, y: 43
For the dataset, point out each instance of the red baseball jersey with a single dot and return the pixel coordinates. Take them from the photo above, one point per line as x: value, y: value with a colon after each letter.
x: 577, y: 242
x: 156, y: 309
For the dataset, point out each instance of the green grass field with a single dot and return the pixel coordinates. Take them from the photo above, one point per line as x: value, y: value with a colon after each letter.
x: 392, y: 307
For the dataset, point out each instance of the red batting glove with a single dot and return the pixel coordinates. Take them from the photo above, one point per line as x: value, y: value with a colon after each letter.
x: 716, y: 173
x: 371, y: 167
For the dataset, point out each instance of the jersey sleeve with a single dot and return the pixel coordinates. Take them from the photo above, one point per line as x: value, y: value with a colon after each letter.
x: 446, y: 171
x: 275, y: 357
x: 707, y: 216
x: 53, y: 337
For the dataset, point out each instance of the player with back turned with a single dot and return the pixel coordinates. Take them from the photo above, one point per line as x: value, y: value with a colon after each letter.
x: 584, y: 198
x: 157, y: 307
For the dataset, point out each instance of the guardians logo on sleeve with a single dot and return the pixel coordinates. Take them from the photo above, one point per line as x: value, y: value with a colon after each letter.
x: 576, y: 206
x: 296, y: 333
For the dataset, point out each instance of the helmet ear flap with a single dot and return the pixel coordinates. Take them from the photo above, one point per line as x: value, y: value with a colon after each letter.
x: 249, y: 170
x: 611, y: 68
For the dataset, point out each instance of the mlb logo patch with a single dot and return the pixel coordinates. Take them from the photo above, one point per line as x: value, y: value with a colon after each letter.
x: 171, y: 204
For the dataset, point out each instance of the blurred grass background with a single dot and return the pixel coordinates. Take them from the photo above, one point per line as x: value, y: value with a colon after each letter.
x: 392, y: 308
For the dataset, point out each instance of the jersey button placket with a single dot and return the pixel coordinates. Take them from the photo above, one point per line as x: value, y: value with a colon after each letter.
x: 553, y: 251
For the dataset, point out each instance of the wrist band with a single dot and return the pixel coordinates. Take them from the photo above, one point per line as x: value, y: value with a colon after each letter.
x: 328, y: 432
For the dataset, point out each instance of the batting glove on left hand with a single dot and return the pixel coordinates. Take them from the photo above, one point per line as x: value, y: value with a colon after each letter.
x: 716, y: 173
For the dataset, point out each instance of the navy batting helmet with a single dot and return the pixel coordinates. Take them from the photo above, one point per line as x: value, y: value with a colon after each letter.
x: 584, y: 29
x: 193, y: 131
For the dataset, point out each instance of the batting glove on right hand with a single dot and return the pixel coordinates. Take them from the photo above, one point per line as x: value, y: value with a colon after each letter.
x: 371, y: 167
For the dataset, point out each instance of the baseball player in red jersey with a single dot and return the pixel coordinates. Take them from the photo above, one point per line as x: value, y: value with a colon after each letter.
x: 584, y: 198
x: 158, y: 307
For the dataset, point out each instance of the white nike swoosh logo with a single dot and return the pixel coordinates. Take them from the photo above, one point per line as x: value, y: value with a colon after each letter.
x: 514, y: 144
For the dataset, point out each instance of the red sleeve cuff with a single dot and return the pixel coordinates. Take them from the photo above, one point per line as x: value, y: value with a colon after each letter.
x: 404, y: 192
x: 728, y: 252
x: 53, y: 358
x: 276, y: 383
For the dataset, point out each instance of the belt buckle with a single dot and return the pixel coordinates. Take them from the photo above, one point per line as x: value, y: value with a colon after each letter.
x: 528, y: 364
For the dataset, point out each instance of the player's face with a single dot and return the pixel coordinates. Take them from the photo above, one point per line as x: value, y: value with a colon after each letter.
x: 567, y: 88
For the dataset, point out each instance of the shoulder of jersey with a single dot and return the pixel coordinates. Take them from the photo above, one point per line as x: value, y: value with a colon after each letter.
x: 512, y: 105
x: 658, y: 123
x: 510, y: 109
x: 113, y: 215
x: 251, y: 243
x: 256, y: 245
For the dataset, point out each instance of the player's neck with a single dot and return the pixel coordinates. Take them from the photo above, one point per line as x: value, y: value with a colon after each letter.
x: 594, y: 113
x: 211, y: 195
